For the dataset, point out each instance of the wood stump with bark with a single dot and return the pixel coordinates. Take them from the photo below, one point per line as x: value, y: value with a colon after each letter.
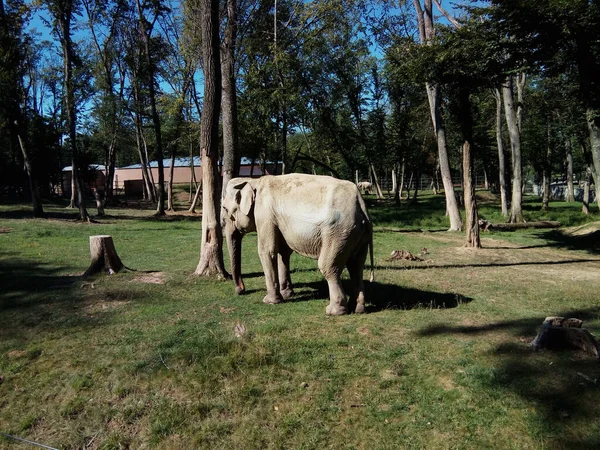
x: 558, y: 332
x: 104, y: 256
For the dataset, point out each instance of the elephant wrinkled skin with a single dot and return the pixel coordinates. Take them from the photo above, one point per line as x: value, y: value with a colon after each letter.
x: 316, y: 216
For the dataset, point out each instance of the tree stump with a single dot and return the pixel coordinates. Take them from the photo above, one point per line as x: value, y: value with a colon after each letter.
x: 104, y: 256
x: 558, y: 332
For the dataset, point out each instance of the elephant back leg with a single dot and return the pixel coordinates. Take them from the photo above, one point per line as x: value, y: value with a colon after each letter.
x: 331, y: 265
x: 356, y: 267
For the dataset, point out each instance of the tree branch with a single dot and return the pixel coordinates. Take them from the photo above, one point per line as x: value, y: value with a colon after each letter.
x: 446, y: 14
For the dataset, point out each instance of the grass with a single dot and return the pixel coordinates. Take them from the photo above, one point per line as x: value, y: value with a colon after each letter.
x: 152, y: 359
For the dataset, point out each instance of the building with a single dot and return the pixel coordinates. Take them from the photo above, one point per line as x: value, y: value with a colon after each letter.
x: 93, y: 179
x: 130, y: 181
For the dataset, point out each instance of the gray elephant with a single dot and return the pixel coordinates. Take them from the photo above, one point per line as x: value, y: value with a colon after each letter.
x: 316, y: 216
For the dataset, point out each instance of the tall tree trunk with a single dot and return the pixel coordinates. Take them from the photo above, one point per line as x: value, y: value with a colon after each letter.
x: 593, y: 122
x: 376, y: 182
x: 38, y: 210
x: 471, y: 215
x: 109, y: 171
x: 585, y: 209
x: 160, y: 207
x: 501, y: 155
x: 547, y: 172
x: 146, y: 173
x: 170, y: 185
x: 426, y: 34
x: 64, y: 22
x: 516, y: 207
x: 211, y: 251
x: 231, y: 157
x: 570, y: 186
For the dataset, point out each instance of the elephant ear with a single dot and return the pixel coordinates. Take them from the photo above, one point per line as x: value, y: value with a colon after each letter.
x: 245, y: 198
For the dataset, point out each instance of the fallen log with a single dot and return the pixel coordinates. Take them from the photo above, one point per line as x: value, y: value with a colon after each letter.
x: 104, y: 256
x: 558, y: 332
x: 485, y: 225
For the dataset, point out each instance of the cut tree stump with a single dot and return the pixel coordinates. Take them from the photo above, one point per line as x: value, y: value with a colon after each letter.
x: 558, y: 332
x: 104, y: 256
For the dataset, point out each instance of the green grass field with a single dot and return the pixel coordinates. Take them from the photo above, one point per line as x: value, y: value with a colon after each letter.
x: 150, y: 358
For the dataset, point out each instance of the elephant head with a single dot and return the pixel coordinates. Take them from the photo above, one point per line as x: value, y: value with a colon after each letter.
x: 238, y: 214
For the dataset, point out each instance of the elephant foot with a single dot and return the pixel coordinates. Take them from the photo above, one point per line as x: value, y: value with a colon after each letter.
x: 335, y: 310
x: 272, y: 299
x: 287, y: 293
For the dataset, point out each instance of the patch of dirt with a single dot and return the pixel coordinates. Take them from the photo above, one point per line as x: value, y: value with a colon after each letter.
x: 152, y: 278
x: 364, y: 331
x: 446, y: 383
x: 15, y: 353
x: 5, y: 230
x: 583, y: 230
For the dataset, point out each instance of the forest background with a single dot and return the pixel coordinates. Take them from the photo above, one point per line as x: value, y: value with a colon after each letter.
x: 363, y: 89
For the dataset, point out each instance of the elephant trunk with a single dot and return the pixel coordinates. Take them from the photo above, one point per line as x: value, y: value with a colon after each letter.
x: 234, y: 243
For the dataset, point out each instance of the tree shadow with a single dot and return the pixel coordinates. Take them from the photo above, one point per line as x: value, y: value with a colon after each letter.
x: 38, y: 296
x: 382, y: 296
x: 589, y: 242
x: 561, y: 385
x: 426, y: 266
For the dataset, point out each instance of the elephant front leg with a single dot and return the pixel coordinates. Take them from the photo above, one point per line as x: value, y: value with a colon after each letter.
x: 268, y: 259
x: 285, y: 281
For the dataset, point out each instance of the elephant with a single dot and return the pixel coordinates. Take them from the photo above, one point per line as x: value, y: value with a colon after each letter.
x: 365, y: 186
x: 316, y: 216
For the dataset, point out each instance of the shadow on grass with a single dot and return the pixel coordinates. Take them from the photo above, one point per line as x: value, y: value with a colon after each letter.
x: 36, y: 295
x: 494, y: 264
x: 562, y: 386
x: 382, y: 296
x: 589, y: 242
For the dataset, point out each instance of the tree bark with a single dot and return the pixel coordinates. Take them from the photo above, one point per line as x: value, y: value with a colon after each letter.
x: 36, y: 201
x: 501, y: 155
x: 426, y: 33
x: 160, y: 207
x: 376, y: 183
x: 64, y: 24
x: 570, y: 186
x: 211, y: 250
x: 585, y: 209
x: 104, y: 256
x: 547, y: 172
x: 593, y: 122
x: 471, y: 216
x: 516, y: 211
x: 196, y: 197
x: 170, y: 185
x: 231, y: 158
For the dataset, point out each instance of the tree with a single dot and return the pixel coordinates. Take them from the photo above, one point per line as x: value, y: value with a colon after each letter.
x: 560, y: 37
x: 62, y: 12
x: 231, y: 156
x: 514, y: 130
x: 103, y: 15
x: 426, y: 34
x: 12, y: 68
x: 211, y: 251
x: 146, y: 28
